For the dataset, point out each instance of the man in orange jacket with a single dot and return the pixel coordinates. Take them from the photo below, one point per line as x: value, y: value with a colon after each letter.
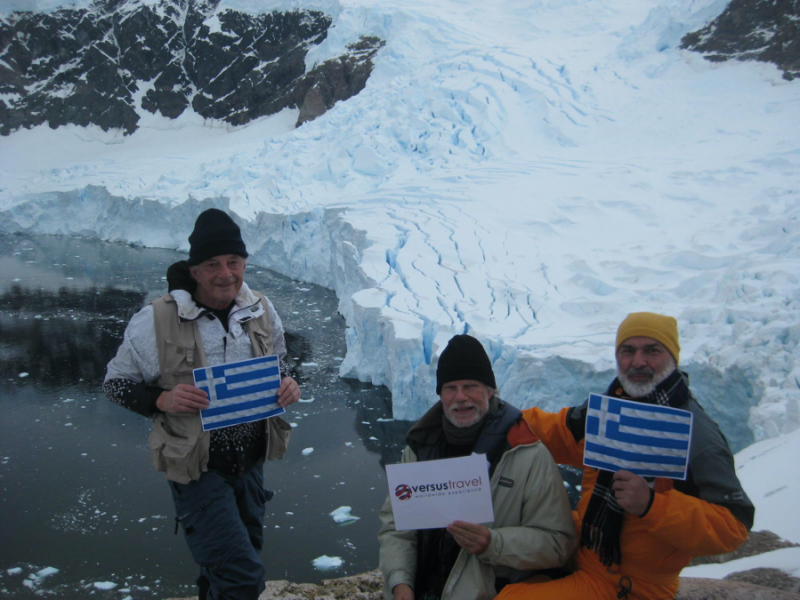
x: 636, y: 535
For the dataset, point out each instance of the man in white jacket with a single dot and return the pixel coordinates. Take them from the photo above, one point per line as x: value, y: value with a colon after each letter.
x: 532, y: 531
x: 210, y: 317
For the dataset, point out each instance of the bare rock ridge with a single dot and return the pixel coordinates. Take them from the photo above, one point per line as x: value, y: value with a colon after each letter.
x: 763, y: 30
x: 98, y: 66
x: 103, y: 64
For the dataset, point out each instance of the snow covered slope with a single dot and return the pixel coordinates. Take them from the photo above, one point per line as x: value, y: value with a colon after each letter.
x: 527, y: 171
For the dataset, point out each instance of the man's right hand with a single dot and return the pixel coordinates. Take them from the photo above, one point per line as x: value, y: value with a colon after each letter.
x: 183, y: 398
x: 403, y: 591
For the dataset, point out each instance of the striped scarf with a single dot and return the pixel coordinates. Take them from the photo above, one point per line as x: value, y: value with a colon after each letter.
x: 602, y: 522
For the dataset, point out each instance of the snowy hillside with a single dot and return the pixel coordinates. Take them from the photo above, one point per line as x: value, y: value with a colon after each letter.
x: 528, y: 171
x: 768, y: 473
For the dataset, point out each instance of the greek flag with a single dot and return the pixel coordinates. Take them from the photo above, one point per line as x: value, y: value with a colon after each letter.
x: 646, y: 439
x: 240, y: 392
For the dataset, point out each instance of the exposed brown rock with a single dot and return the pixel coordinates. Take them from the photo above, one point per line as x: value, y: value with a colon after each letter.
x: 757, y: 542
x: 754, y: 584
x: 366, y: 586
x: 698, y: 588
x: 774, y: 578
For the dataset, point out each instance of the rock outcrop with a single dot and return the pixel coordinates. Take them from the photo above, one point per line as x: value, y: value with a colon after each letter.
x: 692, y: 588
x: 367, y: 586
x: 763, y: 30
x: 754, y: 584
x: 104, y: 64
x: 758, y: 542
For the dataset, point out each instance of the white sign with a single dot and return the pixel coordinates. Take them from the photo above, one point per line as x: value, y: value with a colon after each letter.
x: 434, y: 493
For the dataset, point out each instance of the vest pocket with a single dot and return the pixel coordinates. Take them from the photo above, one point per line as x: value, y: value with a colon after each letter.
x: 180, y: 360
x: 263, y: 343
x: 278, y: 434
x: 177, y: 448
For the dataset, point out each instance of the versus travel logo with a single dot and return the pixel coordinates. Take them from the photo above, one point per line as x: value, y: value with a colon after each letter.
x: 403, y: 491
x: 446, y: 488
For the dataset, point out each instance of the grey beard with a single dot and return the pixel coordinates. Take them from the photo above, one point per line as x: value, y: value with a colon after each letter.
x: 640, y: 390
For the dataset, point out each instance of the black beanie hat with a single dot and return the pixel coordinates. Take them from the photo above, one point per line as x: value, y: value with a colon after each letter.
x: 214, y: 233
x: 464, y: 358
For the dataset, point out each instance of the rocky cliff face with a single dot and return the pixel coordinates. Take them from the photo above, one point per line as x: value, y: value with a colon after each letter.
x: 764, y: 30
x: 100, y: 66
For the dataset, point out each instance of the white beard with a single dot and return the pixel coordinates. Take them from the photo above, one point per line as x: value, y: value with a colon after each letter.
x: 640, y: 390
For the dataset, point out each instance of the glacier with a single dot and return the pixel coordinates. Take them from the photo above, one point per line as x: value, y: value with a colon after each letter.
x: 527, y: 172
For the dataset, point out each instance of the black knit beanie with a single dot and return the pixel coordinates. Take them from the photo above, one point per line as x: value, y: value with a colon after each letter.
x: 214, y: 233
x: 464, y: 358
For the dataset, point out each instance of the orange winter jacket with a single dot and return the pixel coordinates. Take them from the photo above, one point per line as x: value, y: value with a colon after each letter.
x: 677, y: 527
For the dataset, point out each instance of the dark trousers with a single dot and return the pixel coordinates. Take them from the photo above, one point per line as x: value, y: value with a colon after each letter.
x: 223, y: 522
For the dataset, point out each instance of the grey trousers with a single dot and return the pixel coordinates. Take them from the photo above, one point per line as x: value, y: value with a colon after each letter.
x: 223, y: 522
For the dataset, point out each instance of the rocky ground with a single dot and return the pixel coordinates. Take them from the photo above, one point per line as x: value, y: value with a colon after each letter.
x: 755, y: 584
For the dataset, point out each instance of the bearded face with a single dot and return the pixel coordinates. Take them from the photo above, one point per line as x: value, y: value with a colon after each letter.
x: 643, y: 363
x: 465, y: 401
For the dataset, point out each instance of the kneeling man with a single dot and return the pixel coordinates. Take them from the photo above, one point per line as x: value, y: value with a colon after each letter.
x: 532, y: 529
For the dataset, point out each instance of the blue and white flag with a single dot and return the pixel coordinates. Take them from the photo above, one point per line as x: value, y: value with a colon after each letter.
x: 240, y: 392
x: 646, y: 439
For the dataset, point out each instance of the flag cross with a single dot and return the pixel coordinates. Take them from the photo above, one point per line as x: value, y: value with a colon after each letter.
x: 240, y: 392
x: 646, y: 439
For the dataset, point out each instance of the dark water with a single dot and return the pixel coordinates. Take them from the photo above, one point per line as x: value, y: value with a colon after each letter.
x: 78, y: 494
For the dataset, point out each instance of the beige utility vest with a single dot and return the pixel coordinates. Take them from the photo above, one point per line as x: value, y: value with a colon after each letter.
x: 178, y: 445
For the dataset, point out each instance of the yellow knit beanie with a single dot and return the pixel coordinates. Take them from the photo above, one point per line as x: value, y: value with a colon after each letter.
x: 661, y: 328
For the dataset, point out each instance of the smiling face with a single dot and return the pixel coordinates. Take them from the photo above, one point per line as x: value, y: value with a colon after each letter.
x: 465, y: 401
x: 643, y: 363
x: 219, y: 280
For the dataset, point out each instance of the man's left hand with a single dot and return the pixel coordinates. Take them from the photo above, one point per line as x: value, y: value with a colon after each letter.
x: 288, y: 392
x: 632, y: 492
x: 472, y: 538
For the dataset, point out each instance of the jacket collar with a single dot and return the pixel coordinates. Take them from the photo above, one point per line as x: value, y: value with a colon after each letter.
x: 246, y: 305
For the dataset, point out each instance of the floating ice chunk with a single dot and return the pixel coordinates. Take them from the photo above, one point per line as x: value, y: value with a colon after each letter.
x: 349, y: 444
x: 14, y: 570
x: 46, y: 572
x: 34, y: 579
x: 385, y: 420
x: 306, y: 400
x: 343, y: 516
x: 327, y: 563
x: 104, y: 585
x: 309, y: 364
x: 23, y: 375
x: 307, y: 451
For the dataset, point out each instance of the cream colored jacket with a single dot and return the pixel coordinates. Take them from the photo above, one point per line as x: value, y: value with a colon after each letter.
x: 533, y: 529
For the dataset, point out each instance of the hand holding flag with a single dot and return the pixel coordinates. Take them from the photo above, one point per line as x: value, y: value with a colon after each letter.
x: 183, y: 398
